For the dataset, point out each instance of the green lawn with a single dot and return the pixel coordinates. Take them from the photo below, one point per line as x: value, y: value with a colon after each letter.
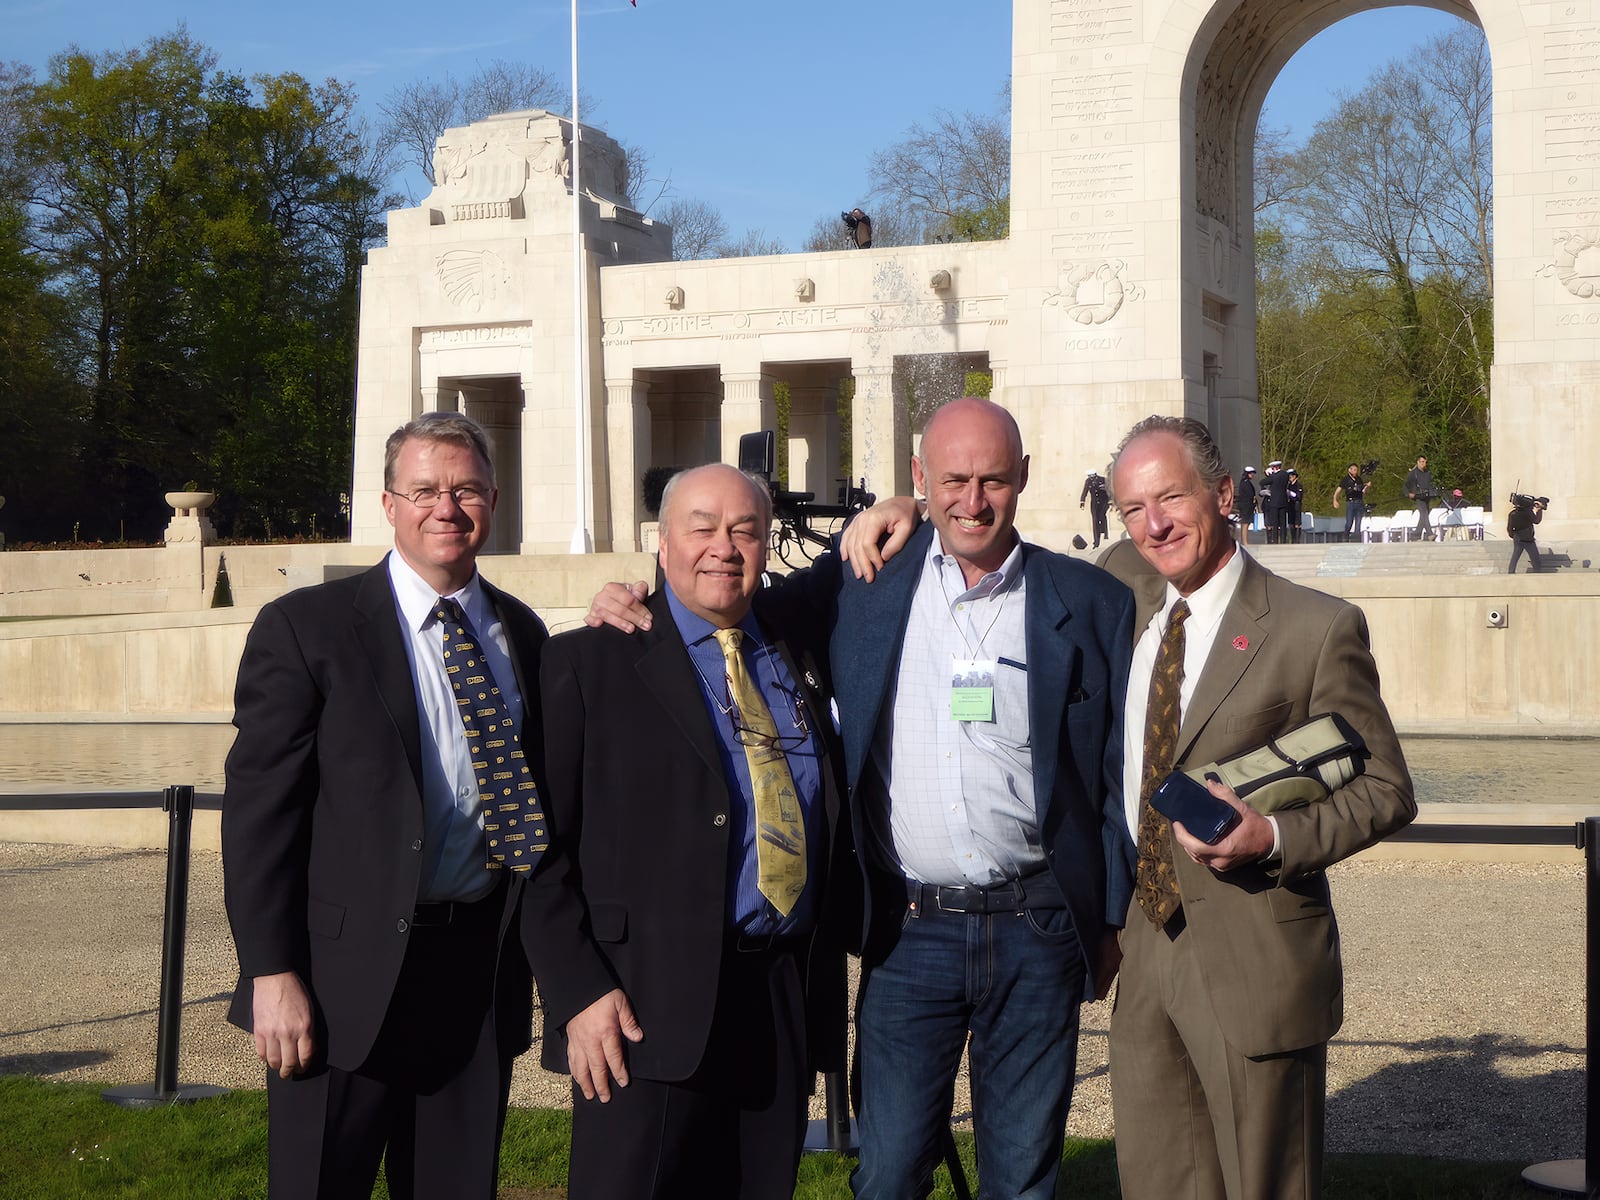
x: 63, y: 1140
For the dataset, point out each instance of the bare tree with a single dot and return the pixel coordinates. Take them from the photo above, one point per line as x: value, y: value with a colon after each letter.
x: 752, y: 243
x: 891, y: 226
x: 415, y: 114
x: 698, y: 229
x: 954, y: 175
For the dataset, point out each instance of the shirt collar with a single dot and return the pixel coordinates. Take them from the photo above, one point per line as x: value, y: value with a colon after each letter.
x: 695, y: 629
x: 1207, y: 602
x: 993, y: 584
x: 417, y: 600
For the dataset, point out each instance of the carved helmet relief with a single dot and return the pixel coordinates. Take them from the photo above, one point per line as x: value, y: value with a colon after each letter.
x: 469, y: 277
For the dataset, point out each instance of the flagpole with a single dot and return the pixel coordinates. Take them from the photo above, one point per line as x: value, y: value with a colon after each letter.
x: 580, y: 322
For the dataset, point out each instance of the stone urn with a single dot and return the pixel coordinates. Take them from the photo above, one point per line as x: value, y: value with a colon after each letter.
x: 189, y: 521
x: 188, y: 504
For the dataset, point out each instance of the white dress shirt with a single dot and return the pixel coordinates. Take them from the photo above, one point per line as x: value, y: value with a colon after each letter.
x: 453, y: 851
x: 1206, y: 606
x: 960, y: 805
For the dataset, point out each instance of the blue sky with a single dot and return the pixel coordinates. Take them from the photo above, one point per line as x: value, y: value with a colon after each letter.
x: 768, y: 111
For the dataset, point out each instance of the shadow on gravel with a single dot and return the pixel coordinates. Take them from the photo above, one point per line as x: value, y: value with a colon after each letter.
x: 52, y: 1062
x: 1467, y: 1098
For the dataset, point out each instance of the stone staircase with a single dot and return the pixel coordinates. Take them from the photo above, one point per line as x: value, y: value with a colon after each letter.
x: 1346, y: 559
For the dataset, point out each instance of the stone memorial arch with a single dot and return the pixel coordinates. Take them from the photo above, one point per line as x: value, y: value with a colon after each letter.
x: 1133, y: 131
x: 1126, y: 287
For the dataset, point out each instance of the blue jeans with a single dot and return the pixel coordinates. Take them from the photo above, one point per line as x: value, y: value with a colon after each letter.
x: 1015, y: 982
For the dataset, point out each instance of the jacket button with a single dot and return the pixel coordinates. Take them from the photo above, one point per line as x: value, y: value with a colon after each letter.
x: 720, y: 820
x: 417, y: 845
x: 402, y: 925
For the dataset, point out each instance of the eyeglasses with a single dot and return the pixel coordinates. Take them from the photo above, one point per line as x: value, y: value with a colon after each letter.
x: 465, y: 497
x: 788, y: 743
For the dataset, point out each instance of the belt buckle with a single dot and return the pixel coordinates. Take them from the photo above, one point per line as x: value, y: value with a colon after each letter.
x: 938, y: 898
x: 434, y: 915
x: 754, y: 943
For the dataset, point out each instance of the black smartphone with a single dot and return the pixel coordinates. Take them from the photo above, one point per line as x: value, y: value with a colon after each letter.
x: 1180, y: 798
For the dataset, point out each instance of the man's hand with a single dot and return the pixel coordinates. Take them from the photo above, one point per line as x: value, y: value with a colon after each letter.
x: 897, y: 516
x: 281, y: 1020
x: 621, y: 605
x: 594, y: 1044
x: 1248, y: 842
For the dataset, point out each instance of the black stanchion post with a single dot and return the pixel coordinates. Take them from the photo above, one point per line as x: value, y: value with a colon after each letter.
x: 836, y: 1131
x: 178, y: 803
x: 1578, y: 1176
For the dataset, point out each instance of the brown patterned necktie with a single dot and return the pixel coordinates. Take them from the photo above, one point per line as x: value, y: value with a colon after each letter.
x: 513, y: 822
x: 1155, y: 885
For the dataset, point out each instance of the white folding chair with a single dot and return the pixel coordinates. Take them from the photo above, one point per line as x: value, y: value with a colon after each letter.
x: 1374, y: 528
x: 1402, y: 525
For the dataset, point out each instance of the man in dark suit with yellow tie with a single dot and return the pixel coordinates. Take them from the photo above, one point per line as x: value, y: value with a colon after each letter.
x: 1231, y: 983
x: 382, y: 818
x: 694, y: 777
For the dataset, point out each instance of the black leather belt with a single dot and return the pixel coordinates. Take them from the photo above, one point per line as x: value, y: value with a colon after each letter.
x: 435, y: 914
x: 738, y: 941
x: 1039, y: 890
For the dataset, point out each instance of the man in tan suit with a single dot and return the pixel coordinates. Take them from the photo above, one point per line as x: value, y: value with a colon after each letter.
x: 1230, y: 988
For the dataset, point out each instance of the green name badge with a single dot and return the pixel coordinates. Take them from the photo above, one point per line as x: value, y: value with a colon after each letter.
x: 972, y: 689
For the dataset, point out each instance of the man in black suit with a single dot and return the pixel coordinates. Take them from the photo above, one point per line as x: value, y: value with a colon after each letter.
x: 382, y: 971
x: 692, y: 776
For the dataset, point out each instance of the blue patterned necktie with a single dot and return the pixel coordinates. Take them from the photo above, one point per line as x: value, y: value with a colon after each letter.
x: 513, y: 822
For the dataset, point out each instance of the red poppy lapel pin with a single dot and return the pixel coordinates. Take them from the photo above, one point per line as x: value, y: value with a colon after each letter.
x: 1241, y: 642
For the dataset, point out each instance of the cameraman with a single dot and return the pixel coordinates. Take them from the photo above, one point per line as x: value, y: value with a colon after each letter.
x: 1354, y: 488
x: 1526, y: 512
x: 1419, y: 487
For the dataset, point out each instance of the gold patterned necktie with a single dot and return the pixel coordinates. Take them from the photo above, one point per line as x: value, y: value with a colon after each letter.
x: 780, y: 826
x: 1155, y: 885
x: 513, y: 822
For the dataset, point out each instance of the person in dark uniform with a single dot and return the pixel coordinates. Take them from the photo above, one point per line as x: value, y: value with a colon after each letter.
x: 1274, y: 500
x: 1099, y: 499
x: 1354, y: 489
x: 1244, y: 503
x: 1419, y: 487
x: 1295, y: 494
x: 1519, y: 528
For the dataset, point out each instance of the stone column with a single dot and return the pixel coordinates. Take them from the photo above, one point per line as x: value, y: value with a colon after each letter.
x: 747, y: 407
x: 880, y: 429
x: 629, y: 452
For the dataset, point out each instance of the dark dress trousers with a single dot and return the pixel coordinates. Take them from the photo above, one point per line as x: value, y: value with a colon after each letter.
x: 733, y: 1031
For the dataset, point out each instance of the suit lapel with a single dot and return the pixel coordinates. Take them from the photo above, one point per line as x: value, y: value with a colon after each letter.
x: 377, y: 628
x: 1239, y: 639
x: 875, y: 615
x: 1049, y: 664
x: 665, y: 668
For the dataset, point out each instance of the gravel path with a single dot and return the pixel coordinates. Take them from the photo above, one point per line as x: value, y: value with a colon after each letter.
x: 1464, y: 1009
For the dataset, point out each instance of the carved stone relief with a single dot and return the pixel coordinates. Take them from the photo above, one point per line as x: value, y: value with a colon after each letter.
x: 1093, y: 293
x: 469, y: 277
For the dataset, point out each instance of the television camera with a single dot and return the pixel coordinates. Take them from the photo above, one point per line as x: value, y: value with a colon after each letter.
x: 1519, y: 500
x: 797, y: 539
